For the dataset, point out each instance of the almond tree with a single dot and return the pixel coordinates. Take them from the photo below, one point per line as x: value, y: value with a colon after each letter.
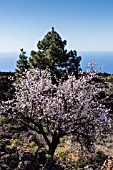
x: 54, y: 111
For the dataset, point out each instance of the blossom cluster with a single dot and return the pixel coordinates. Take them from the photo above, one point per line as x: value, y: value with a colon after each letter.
x: 68, y: 108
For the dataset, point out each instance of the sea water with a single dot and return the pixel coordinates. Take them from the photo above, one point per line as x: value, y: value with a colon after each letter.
x: 101, y: 58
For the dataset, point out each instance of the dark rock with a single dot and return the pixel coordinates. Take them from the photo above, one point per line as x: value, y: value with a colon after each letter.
x: 27, y: 157
x: 10, y: 161
x: 41, y: 155
x: 111, y: 96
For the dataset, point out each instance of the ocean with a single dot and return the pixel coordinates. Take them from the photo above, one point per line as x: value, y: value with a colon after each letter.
x: 101, y: 58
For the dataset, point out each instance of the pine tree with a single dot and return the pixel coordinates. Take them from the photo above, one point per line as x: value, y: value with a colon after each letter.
x: 51, y: 52
x: 22, y: 64
x: 53, y: 56
x: 74, y: 63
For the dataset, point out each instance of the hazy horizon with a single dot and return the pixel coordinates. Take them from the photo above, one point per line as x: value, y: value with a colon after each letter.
x: 101, y: 58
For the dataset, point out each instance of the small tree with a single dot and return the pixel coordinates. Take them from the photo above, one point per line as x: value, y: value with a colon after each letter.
x: 71, y: 108
x: 22, y: 64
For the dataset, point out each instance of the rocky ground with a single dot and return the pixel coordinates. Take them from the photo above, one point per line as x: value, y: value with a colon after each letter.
x: 20, y: 149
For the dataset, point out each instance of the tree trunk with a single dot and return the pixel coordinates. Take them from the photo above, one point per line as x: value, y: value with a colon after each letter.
x: 54, y: 144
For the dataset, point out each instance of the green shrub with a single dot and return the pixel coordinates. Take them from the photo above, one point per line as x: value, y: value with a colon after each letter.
x: 2, y: 120
x: 101, y: 155
x: 15, y: 143
x: 62, y: 154
x: 80, y: 163
x: 33, y: 145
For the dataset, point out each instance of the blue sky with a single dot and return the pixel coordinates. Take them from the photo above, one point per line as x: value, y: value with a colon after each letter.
x: 87, y: 25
